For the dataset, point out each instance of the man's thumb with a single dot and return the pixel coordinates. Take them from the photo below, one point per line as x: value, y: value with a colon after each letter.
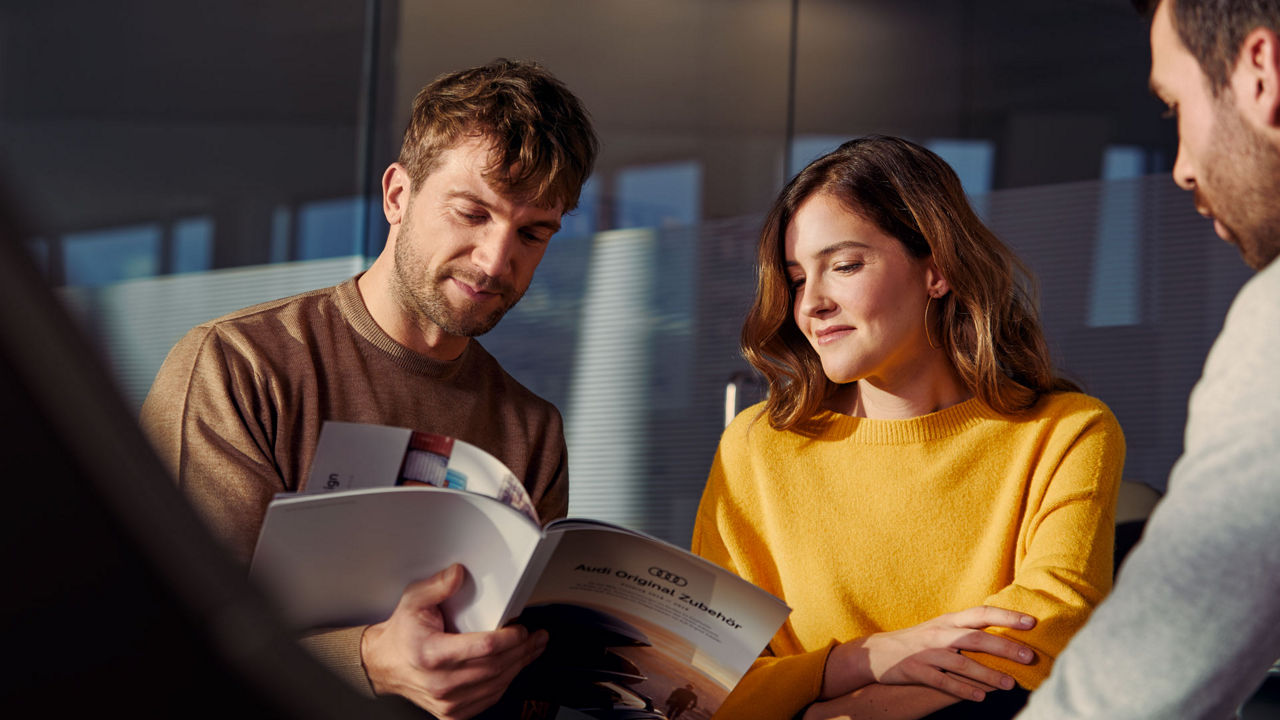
x: 435, y: 589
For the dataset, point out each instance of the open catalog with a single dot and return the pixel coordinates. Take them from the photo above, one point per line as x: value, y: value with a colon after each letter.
x: 639, y: 628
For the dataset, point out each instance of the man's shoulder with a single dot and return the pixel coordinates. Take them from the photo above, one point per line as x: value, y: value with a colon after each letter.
x: 1259, y: 298
x: 1250, y: 336
x: 259, y: 332
x: 1238, y: 390
x: 286, y: 309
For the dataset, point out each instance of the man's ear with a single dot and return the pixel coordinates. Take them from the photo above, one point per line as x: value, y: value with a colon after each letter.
x: 396, y: 190
x: 1256, y: 78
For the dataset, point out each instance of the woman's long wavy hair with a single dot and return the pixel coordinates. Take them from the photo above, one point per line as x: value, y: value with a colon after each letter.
x: 987, y: 324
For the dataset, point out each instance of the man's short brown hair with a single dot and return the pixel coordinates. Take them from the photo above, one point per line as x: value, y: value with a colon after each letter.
x: 1214, y: 30
x: 542, y: 141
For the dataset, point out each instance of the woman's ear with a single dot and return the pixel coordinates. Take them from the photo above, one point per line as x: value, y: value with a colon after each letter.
x: 935, y: 284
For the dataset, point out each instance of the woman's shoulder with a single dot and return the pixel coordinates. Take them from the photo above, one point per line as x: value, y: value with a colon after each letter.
x: 752, y: 432
x: 1076, y: 409
x: 749, y: 422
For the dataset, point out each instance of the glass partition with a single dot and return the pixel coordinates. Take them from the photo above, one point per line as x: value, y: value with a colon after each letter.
x: 175, y: 162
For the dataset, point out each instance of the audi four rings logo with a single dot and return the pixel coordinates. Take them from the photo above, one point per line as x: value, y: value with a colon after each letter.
x: 670, y: 577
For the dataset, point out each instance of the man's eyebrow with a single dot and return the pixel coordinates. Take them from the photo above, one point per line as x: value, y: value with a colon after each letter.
x: 468, y: 195
x: 552, y: 225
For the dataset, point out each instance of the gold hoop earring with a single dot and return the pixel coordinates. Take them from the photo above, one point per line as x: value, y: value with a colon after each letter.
x: 926, y: 324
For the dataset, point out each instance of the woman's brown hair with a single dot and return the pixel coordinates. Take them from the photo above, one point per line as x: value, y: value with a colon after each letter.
x: 988, y: 324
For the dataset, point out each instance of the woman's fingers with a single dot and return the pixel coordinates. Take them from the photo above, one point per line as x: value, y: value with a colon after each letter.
x: 985, y: 616
x: 985, y: 642
x: 957, y: 686
x: 972, y: 671
x: 931, y: 654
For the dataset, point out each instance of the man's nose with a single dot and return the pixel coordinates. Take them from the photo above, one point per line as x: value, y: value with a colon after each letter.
x: 1183, y: 174
x: 494, y: 251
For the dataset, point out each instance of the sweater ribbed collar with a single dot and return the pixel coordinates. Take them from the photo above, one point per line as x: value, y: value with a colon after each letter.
x: 351, y: 305
x: 934, y: 426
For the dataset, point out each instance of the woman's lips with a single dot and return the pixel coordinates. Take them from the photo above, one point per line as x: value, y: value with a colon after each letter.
x: 832, y: 334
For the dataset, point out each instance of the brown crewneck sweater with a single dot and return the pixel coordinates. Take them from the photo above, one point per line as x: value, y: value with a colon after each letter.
x: 236, y: 409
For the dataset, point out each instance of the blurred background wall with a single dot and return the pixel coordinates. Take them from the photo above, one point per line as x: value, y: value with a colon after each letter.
x: 175, y: 161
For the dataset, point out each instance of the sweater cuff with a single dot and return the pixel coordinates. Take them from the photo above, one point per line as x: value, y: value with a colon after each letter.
x: 339, y: 650
x: 778, y: 687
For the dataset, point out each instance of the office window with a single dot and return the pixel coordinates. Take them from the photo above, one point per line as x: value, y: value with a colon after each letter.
x: 658, y: 196
x: 192, y: 245
x: 973, y: 161
x: 584, y: 219
x: 103, y: 257
x: 1116, y: 281
x: 329, y: 228
x: 807, y: 148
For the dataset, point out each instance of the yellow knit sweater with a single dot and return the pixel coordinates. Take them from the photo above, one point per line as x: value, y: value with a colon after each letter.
x: 876, y: 525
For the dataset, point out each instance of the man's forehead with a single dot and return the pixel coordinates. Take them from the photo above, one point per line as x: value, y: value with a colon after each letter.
x: 1168, y: 55
x: 484, y: 152
x: 483, y: 179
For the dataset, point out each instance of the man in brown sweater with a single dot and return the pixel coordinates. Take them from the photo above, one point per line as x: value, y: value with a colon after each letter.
x: 491, y: 160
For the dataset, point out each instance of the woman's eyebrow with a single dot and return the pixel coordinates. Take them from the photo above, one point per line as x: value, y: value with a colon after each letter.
x: 832, y: 249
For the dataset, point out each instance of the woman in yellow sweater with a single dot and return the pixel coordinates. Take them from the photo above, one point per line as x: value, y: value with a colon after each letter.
x: 934, y: 503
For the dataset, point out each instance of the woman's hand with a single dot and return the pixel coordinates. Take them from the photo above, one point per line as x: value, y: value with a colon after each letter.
x: 928, y: 654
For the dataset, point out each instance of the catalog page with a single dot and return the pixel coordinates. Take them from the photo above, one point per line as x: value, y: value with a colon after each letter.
x: 638, y: 623
x: 352, y: 456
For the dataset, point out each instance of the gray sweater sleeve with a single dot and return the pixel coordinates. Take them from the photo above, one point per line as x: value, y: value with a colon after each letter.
x: 1194, y: 620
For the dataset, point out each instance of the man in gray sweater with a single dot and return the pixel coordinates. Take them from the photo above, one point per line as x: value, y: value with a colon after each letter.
x: 1194, y: 621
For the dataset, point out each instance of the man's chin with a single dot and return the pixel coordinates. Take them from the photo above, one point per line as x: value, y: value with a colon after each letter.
x: 1259, y: 257
x: 1224, y: 232
x: 472, y: 326
x: 1247, y: 252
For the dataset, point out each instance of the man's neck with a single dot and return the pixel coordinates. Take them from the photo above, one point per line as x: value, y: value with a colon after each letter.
x: 400, y: 323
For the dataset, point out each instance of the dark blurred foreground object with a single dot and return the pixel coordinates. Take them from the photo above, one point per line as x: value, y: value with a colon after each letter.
x: 114, y: 595
x: 580, y: 669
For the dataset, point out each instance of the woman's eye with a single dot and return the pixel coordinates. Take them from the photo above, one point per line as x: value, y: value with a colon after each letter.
x: 848, y: 267
x: 795, y: 283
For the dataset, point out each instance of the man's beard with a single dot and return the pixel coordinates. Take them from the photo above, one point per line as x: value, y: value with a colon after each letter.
x: 1243, y: 177
x: 425, y: 298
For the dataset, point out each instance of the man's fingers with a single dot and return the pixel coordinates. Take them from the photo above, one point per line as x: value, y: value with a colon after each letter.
x: 512, y: 658
x: 511, y: 663
x: 479, y: 682
x: 496, y: 648
x: 452, y: 675
x: 985, y: 616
